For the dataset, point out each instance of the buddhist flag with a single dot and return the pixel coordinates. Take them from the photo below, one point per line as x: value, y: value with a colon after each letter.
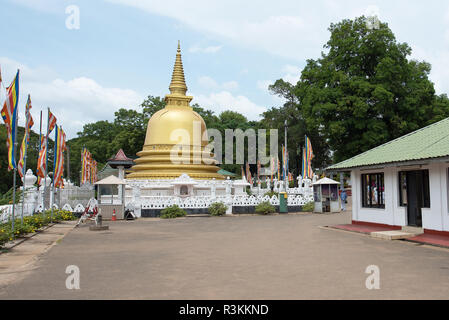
x: 83, y: 165
x: 51, y: 122
x: 26, y: 137
x: 60, y: 147
x: 284, y: 163
x: 248, y: 174
x: 88, y: 167
x: 93, y: 171
x: 41, y: 161
x: 9, y: 115
x: 243, y: 173
x: 307, y: 156
x: 258, y: 171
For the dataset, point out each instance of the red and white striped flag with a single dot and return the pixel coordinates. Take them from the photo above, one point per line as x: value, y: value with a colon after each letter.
x: 51, y: 122
x: 26, y: 137
x: 248, y: 174
x: 41, y: 161
x: 59, y: 157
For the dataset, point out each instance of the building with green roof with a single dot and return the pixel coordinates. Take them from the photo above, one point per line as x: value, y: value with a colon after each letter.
x: 403, y: 182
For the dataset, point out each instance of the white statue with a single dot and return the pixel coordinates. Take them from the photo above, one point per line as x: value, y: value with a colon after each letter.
x: 299, y: 179
x: 30, y: 179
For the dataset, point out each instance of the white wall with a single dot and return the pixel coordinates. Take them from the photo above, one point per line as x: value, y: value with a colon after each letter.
x: 437, y: 217
x: 434, y: 218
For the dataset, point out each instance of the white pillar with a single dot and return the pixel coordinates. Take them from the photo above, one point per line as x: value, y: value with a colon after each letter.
x: 121, y: 175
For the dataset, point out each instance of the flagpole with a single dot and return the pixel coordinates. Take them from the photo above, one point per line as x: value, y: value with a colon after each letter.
x: 25, y: 161
x: 68, y: 163
x: 40, y: 146
x: 53, y: 177
x: 16, y: 110
x: 285, y: 172
x: 306, y: 164
x: 46, y: 156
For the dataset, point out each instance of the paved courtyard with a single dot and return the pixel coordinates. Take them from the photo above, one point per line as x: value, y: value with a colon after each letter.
x: 243, y: 257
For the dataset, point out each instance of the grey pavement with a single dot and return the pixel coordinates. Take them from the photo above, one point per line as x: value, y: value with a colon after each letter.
x: 241, y: 257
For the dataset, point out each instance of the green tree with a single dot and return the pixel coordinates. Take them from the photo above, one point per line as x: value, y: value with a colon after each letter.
x: 364, y: 91
x: 151, y: 105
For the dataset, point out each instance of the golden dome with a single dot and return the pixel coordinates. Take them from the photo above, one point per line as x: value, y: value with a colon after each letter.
x: 176, y: 138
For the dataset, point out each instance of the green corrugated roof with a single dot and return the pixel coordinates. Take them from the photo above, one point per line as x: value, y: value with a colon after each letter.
x: 429, y: 142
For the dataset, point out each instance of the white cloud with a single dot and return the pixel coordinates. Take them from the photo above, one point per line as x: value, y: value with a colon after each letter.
x: 211, y: 49
x: 74, y: 102
x: 251, y: 25
x: 224, y: 100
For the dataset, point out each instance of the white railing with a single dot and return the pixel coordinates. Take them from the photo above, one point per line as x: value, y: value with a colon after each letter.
x: 199, y: 202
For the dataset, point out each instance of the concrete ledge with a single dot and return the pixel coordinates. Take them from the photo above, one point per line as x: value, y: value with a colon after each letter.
x: 392, y: 235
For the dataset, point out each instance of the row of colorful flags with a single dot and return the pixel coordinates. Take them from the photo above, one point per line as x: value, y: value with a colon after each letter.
x: 275, y: 166
x: 88, y: 167
x: 9, y: 114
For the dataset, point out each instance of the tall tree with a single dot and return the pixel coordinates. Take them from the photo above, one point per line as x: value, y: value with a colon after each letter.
x: 365, y: 91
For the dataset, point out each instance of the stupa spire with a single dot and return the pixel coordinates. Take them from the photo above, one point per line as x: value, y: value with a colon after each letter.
x: 178, y: 83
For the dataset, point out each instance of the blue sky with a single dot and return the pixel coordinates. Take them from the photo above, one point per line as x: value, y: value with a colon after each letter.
x: 124, y: 50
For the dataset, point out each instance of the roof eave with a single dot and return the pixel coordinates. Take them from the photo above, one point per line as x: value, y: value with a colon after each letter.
x: 391, y: 164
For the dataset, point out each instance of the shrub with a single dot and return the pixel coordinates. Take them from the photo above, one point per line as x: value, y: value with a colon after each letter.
x: 4, y: 237
x: 172, y: 212
x: 217, y: 209
x: 63, y: 215
x: 265, y: 208
x: 248, y: 191
x: 291, y: 184
x: 308, y: 207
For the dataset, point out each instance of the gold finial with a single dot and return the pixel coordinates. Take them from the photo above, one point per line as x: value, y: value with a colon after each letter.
x: 178, y: 83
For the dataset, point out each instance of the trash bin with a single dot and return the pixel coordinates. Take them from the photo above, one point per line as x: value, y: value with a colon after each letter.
x: 283, y: 205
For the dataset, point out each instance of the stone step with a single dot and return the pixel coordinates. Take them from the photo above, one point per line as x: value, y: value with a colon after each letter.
x: 392, y: 235
x: 415, y: 230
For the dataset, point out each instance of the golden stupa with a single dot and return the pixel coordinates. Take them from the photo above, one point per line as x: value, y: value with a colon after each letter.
x: 175, y: 128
